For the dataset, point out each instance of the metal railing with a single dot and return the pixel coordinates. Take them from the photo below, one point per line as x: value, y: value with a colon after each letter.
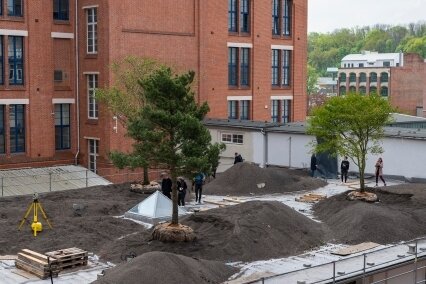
x: 365, y: 268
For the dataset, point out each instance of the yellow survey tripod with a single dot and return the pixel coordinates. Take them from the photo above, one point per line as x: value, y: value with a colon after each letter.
x: 36, y: 226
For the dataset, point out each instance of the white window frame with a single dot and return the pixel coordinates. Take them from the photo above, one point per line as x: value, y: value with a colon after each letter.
x: 232, y: 138
x: 93, y: 155
x: 92, y: 106
x: 92, y: 45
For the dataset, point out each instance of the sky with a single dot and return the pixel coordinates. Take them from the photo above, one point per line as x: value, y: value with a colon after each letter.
x: 327, y: 15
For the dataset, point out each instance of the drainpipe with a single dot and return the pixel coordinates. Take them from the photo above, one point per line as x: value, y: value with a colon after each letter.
x: 289, y: 152
x: 77, y: 72
x: 265, y: 148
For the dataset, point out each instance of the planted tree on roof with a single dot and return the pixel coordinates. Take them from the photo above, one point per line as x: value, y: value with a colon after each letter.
x: 351, y: 125
x: 168, y: 129
x: 124, y: 99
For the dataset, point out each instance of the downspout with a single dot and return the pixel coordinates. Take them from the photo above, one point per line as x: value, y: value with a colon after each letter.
x: 265, y: 148
x: 77, y: 71
x: 289, y: 152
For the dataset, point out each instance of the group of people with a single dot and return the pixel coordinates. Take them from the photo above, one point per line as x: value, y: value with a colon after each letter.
x: 167, y: 184
x: 344, y: 169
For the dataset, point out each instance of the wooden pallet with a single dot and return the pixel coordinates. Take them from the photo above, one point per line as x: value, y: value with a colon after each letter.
x: 69, y: 258
x: 36, y: 263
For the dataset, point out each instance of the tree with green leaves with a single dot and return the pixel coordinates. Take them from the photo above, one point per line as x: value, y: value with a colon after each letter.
x: 351, y: 125
x: 125, y: 98
x: 168, y: 130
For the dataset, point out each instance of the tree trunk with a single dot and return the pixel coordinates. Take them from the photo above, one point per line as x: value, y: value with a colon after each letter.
x: 145, y: 176
x: 175, y: 215
x: 361, y: 174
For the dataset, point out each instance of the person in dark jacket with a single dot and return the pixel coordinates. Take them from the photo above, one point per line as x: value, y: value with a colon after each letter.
x: 198, y: 183
x: 313, y: 164
x: 166, y: 185
x: 344, y: 169
x: 181, y: 186
x: 238, y: 158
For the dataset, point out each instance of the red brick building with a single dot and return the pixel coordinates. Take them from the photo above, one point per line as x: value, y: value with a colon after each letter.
x: 249, y: 57
x: 395, y: 76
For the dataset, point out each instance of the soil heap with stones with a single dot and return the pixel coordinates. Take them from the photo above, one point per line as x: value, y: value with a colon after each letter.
x: 247, y: 179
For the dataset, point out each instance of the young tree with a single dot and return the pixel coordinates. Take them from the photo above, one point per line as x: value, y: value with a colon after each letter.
x: 352, y: 126
x: 125, y: 98
x: 168, y: 130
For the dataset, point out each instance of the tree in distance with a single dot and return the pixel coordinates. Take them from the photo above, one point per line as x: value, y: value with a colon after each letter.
x: 125, y: 98
x: 351, y: 125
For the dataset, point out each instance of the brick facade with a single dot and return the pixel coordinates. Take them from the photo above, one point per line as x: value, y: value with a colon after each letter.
x: 186, y: 34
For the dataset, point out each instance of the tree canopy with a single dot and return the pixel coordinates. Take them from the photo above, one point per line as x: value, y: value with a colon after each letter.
x: 168, y: 129
x: 328, y: 49
x: 351, y: 125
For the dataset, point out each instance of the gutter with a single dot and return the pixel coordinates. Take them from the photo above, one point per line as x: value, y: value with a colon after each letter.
x: 77, y: 71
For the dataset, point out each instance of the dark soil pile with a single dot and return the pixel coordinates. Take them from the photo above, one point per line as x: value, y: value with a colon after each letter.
x: 91, y: 231
x: 400, y: 215
x: 249, y: 231
x: 243, y: 178
x: 161, y: 267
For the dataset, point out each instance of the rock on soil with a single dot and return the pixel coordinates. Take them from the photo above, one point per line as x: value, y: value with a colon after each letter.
x: 400, y: 215
x: 243, y: 178
x: 162, y: 267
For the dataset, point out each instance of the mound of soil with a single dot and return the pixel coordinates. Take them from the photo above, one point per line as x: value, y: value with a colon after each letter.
x: 162, y: 267
x: 243, y: 179
x: 396, y: 217
x: 246, y: 232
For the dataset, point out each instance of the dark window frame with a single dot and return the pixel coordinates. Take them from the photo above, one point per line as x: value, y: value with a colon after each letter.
x: 14, y: 76
x: 62, y: 128
x: 281, y: 111
x: 232, y: 109
x: 17, y: 132
x: 63, y: 10
x: 233, y: 66
x: 1, y: 59
x: 15, y: 8
x: 232, y: 16
x: 245, y: 67
x: 244, y: 109
x: 93, y: 153
x: 373, y: 77
x: 245, y: 16
x: 239, y: 17
x: 282, y: 17
x: 281, y: 78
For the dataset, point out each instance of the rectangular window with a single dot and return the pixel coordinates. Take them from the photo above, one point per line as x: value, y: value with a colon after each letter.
x: 245, y: 16
x: 386, y: 63
x: 285, y: 111
x: 245, y: 67
x: 62, y: 127
x: 244, y: 110
x: 287, y: 17
x: 16, y: 60
x: 286, y: 56
x: 232, y: 138
x: 92, y: 84
x: 232, y: 109
x: 281, y: 17
x: 92, y: 30
x: 232, y: 15
x: 280, y: 111
x: 275, y: 17
x: 1, y: 60
x: 361, y: 65
x: 2, y: 132
x: 17, y: 128
x: 232, y: 66
x: 14, y: 8
x: 61, y: 10
x: 93, y: 154
x: 281, y: 68
x: 275, y: 111
x: 275, y: 67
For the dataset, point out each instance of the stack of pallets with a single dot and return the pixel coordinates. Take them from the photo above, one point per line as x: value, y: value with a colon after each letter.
x: 68, y: 258
x: 37, y: 264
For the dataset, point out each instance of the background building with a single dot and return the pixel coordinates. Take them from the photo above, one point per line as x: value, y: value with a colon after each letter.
x: 395, y: 76
x: 249, y: 57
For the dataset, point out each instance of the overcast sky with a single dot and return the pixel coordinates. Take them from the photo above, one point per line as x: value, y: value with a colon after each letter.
x: 328, y: 15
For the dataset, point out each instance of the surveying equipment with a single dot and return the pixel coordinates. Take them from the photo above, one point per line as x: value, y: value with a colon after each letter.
x: 36, y: 226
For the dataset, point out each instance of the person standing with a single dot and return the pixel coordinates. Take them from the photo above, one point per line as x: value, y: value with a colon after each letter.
x: 313, y: 164
x: 199, y: 181
x: 379, y: 171
x: 344, y: 169
x: 181, y: 186
x: 238, y: 158
x: 166, y: 185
